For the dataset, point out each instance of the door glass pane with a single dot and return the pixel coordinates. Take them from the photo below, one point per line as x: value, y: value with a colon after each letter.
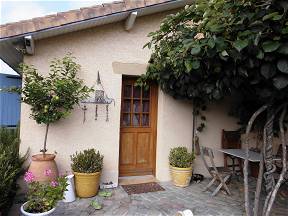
x: 127, y: 106
x: 127, y: 91
x: 136, y: 119
x: 145, y: 106
x: 136, y: 106
x: 146, y: 93
x: 136, y: 92
x: 126, y: 120
x: 145, y: 120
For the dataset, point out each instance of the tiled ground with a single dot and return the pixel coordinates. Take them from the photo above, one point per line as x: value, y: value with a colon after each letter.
x: 170, y: 201
x: 166, y: 202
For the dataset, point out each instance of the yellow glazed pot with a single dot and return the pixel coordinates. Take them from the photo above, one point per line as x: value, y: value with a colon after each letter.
x: 181, y: 176
x: 87, y: 184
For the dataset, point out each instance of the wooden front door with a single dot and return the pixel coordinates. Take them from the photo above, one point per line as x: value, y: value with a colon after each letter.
x: 138, y: 129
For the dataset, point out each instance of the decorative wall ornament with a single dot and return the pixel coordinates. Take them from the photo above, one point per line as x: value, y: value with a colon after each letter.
x: 100, y: 98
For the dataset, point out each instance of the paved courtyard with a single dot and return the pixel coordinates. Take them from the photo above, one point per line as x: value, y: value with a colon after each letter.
x: 168, y: 202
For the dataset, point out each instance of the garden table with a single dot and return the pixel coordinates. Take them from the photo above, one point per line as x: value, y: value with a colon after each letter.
x: 241, y: 153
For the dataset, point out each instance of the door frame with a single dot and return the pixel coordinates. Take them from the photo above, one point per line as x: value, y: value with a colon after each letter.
x: 155, y: 91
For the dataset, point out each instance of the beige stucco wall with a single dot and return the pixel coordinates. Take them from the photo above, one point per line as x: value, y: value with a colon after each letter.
x: 96, y: 49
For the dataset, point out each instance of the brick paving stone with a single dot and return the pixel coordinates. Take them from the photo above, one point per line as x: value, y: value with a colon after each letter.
x: 166, y: 202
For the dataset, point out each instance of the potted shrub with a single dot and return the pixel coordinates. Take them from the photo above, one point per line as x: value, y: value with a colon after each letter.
x: 87, y: 166
x: 42, y: 197
x: 51, y: 98
x: 180, y: 161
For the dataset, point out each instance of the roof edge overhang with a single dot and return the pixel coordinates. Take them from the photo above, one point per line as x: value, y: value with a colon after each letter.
x: 7, y: 43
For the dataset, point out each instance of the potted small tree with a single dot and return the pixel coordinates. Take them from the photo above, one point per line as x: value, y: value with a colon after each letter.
x: 87, y: 166
x: 51, y: 98
x: 180, y: 161
x: 42, y: 198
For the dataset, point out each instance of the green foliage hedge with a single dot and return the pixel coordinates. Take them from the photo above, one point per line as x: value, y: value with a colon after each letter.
x: 87, y: 161
x: 10, y: 166
x: 180, y: 157
x: 218, y: 48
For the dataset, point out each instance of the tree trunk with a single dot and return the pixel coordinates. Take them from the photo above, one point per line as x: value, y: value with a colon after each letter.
x: 268, y: 152
x: 284, y: 169
x: 245, y: 169
x: 259, y: 182
x: 44, y: 150
x: 193, y: 129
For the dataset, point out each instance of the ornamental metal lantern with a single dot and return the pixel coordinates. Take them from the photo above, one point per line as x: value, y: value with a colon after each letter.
x: 100, y: 97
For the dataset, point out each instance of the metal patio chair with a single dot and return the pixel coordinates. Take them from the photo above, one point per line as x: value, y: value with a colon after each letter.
x: 219, y: 174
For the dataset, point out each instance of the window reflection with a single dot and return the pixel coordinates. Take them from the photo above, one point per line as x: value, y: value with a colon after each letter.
x: 145, y: 120
x: 126, y: 120
x: 127, y: 91
x: 136, y: 119
x: 136, y: 92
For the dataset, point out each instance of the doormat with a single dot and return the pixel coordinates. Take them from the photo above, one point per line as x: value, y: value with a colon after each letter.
x: 142, y: 188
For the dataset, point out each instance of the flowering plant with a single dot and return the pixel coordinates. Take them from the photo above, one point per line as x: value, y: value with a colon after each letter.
x: 43, y: 197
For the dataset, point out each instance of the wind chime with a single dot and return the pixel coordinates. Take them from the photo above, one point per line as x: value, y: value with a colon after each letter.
x: 100, y: 97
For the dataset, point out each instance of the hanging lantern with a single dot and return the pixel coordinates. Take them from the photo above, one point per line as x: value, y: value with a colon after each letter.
x: 100, y: 97
x: 99, y: 90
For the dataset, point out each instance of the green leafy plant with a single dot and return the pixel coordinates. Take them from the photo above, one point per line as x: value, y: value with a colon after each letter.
x: 224, y: 48
x: 53, y: 97
x: 219, y: 48
x: 96, y: 205
x: 42, y: 197
x: 10, y: 166
x: 88, y: 161
x: 180, y: 157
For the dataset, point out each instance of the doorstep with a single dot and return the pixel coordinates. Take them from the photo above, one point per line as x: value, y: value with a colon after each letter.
x: 128, y: 180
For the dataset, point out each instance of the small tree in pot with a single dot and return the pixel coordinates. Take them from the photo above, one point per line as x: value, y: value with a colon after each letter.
x: 87, y: 167
x: 51, y: 98
x: 180, y: 161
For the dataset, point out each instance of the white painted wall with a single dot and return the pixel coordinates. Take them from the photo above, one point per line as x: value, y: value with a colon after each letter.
x: 96, y: 49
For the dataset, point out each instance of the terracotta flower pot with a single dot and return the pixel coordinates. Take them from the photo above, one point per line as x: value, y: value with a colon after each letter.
x: 181, y: 176
x: 40, y: 163
x: 87, y: 184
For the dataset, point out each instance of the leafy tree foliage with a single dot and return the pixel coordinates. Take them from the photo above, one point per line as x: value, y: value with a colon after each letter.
x: 53, y: 97
x: 219, y: 48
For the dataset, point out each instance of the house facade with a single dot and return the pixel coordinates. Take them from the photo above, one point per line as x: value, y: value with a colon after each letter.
x: 143, y: 125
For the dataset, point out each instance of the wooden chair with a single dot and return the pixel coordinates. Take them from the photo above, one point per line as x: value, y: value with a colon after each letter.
x: 232, y: 140
x: 219, y: 174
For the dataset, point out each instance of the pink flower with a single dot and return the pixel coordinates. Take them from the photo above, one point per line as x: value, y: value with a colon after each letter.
x: 54, y: 183
x: 29, y: 177
x: 48, y: 172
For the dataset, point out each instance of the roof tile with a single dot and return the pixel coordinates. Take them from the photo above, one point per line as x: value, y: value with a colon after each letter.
x: 151, y: 2
x: 118, y: 7
x: 40, y: 23
x: 28, y: 26
x: 91, y: 12
x: 131, y: 4
x: 3, y: 30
